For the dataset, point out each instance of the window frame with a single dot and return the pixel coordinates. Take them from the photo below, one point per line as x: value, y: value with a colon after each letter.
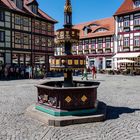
x: 2, y: 16
x: 18, y: 20
x: 136, y: 20
x: 126, y: 42
x: 137, y: 3
x: 126, y: 22
x: 2, y: 33
x: 136, y: 40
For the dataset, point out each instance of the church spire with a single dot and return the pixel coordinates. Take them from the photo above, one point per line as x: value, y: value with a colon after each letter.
x: 68, y: 14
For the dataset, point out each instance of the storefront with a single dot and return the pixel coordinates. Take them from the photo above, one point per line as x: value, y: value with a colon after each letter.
x: 100, y: 61
x: 128, y: 56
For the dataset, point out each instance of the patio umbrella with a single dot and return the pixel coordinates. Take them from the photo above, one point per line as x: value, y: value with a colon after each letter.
x: 126, y: 61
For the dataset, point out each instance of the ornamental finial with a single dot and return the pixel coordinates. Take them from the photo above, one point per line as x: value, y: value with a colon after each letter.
x: 68, y: 7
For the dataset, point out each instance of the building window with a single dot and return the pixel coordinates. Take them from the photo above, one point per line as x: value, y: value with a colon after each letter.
x: 101, y: 30
x: 17, y: 20
x: 35, y: 9
x: 17, y: 38
x: 126, y: 42
x: 86, y: 47
x: 50, y: 42
x: 108, y: 40
x: 136, y: 20
x: 43, y: 41
x: 93, y: 46
x: 43, y: 26
x: 108, y: 63
x: 137, y: 41
x: 107, y: 45
x: 120, y: 19
x: 80, y: 48
x: 2, y: 36
x: 49, y: 27
x: 126, y: 22
x: 137, y: 3
x: 86, y: 41
x: 19, y: 4
x: 26, y: 39
x: 37, y: 25
x: 25, y: 22
x: 37, y: 40
x: 1, y: 15
x: 100, y: 43
x: 93, y: 41
x: 74, y: 48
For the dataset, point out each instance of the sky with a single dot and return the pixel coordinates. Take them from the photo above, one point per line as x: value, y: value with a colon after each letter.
x: 83, y: 10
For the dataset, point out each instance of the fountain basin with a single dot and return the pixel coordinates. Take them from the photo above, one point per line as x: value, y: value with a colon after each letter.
x: 56, y: 100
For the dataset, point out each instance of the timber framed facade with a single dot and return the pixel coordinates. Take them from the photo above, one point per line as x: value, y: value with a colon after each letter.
x: 108, y: 40
x: 127, y: 32
x: 26, y: 33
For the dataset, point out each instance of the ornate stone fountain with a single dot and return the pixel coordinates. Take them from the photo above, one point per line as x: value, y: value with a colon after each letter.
x: 68, y: 102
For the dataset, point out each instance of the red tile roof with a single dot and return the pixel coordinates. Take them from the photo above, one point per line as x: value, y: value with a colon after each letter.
x: 11, y: 5
x: 107, y: 23
x: 127, y: 7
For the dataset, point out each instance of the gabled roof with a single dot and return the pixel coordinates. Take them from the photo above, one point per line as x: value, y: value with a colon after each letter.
x: 127, y: 7
x: 26, y: 10
x: 107, y: 23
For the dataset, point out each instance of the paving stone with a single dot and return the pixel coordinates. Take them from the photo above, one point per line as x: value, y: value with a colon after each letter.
x: 120, y: 93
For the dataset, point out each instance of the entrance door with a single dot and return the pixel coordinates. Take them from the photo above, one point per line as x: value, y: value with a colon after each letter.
x: 100, y: 63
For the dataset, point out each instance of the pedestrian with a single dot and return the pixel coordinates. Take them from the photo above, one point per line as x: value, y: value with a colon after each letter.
x: 30, y: 72
x: 85, y: 75
x: 0, y: 71
x: 6, y: 73
x: 93, y: 70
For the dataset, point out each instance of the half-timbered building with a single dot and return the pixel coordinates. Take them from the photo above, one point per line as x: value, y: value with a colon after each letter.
x: 96, y: 42
x: 26, y: 33
x: 127, y: 34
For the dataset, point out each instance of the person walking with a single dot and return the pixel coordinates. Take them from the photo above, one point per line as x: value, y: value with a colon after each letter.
x: 93, y: 70
x: 30, y: 72
x: 85, y: 74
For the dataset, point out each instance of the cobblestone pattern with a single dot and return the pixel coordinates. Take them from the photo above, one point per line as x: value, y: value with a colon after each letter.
x: 120, y: 93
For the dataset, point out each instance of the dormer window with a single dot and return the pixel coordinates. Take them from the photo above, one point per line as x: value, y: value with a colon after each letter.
x: 34, y: 9
x: 33, y: 5
x: 137, y: 3
x: 19, y: 4
x: 93, y: 25
x: 101, y: 30
x: 87, y: 30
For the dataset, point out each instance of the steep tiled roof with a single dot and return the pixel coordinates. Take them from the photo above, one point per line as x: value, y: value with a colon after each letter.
x: 127, y: 7
x: 11, y: 5
x: 107, y: 23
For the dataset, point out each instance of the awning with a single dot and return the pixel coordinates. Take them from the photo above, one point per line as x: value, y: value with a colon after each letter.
x: 125, y: 61
x: 126, y: 55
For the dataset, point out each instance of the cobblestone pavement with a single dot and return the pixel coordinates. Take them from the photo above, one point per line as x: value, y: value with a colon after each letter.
x: 120, y: 93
